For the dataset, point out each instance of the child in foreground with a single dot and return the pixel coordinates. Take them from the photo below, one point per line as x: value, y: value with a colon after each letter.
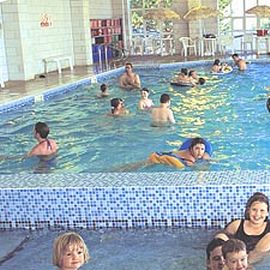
x: 235, y: 255
x: 69, y: 251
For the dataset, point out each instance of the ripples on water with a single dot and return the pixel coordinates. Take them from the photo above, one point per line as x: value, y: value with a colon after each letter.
x: 228, y: 110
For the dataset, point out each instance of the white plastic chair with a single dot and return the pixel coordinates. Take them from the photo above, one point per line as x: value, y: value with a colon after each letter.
x: 137, y: 46
x: 150, y: 45
x: 187, y: 44
x: 247, y: 39
x: 225, y: 43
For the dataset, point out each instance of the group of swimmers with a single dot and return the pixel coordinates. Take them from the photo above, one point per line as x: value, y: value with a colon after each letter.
x: 161, y: 115
x: 243, y: 242
x: 219, y: 67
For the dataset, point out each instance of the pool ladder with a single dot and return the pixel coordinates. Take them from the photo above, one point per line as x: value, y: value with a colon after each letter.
x: 119, y: 55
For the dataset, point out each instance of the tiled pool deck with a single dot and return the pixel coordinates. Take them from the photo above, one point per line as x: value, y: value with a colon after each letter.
x: 124, y: 200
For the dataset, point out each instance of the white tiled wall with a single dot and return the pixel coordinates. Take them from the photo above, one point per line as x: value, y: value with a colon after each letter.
x: 3, y: 62
x: 27, y: 43
x: 101, y: 9
x: 81, y: 32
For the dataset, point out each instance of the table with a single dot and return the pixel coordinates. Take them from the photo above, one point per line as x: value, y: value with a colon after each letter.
x: 207, y: 46
x: 262, y: 44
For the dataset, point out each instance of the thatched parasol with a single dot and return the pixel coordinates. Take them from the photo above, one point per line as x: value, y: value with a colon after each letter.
x: 200, y: 13
x: 260, y: 11
x: 161, y: 14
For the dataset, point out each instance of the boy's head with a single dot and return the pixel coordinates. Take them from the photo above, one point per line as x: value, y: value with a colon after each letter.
x: 215, y: 259
x: 69, y: 249
x: 235, y: 254
x: 184, y: 71
x: 165, y: 98
x: 201, y: 81
x: 235, y: 56
x: 103, y: 88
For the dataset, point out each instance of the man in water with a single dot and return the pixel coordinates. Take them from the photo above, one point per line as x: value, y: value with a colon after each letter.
x: 242, y: 65
x: 45, y: 148
x: 163, y: 115
x: 129, y: 80
x: 215, y: 260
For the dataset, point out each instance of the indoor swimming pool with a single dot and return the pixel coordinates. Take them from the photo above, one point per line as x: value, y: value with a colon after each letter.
x: 229, y: 110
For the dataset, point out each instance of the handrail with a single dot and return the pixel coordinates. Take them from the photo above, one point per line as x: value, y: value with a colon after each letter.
x: 118, y: 55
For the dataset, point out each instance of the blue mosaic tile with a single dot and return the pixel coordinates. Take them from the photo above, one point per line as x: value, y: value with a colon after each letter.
x: 15, y: 105
x: 164, y: 202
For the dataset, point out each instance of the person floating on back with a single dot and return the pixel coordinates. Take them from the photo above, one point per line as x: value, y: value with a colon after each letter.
x: 46, y: 148
x: 239, y: 62
x: 129, y: 80
x: 104, y: 91
x: 163, y: 115
x: 69, y: 251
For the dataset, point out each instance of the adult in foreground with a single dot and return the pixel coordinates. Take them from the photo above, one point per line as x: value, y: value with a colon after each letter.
x: 254, y: 229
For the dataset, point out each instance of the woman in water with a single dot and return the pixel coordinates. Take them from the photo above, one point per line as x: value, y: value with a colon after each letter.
x: 254, y: 229
x: 145, y: 102
x: 118, y: 107
x: 216, y: 67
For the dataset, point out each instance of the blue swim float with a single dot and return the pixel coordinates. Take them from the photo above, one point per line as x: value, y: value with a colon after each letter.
x: 208, y: 147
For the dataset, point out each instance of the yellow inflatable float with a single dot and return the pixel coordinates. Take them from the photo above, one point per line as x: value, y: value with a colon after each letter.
x: 171, y: 159
x: 167, y: 159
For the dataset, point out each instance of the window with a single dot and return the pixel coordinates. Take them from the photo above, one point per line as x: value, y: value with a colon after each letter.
x: 237, y: 22
x: 142, y: 27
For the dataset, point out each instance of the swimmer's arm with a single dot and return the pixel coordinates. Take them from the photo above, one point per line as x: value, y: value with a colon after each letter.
x: 206, y: 156
x: 122, y: 83
x: 140, y: 105
x: 229, y: 231
x: 137, y: 82
x: 34, y: 152
x: 171, y: 117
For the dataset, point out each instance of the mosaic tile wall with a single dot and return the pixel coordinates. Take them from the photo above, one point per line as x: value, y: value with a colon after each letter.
x: 158, y: 204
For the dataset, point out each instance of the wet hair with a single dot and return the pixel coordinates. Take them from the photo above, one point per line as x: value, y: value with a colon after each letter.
x: 62, y: 243
x: 190, y: 72
x: 268, y: 104
x: 184, y: 71
x: 233, y: 245
x: 145, y: 89
x: 235, y: 55
x: 164, y: 98
x: 42, y: 129
x: 103, y: 87
x: 201, y: 81
x: 128, y: 64
x: 214, y: 243
x: 196, y: 141
x: 216, y: 62
x: 256, y: 197
x: 115, y: 103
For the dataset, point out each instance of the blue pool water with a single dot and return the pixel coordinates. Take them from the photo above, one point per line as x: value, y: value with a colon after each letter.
x: 228, y: 110
x: 145, y: 249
